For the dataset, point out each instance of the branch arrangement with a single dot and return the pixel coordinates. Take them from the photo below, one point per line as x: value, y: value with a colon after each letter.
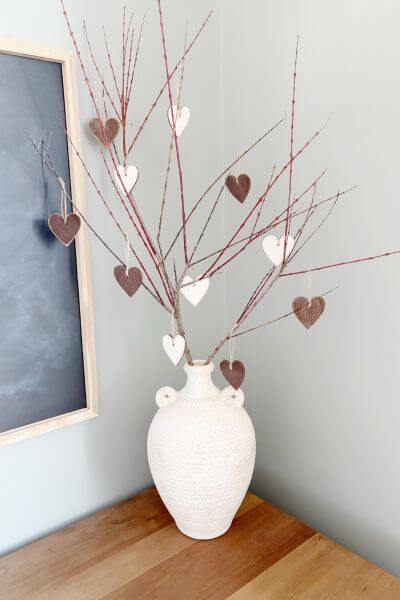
x: 155, y: 261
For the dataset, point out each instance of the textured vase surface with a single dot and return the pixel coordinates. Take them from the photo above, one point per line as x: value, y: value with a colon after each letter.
x: 201, y: 448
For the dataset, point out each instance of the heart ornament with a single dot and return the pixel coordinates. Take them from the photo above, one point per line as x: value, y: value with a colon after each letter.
x: 128, y: 175
x: 195, y: 292
x: 234, y: 373
x: 181, y: 118
x: 274, y: 249
x: 104, y: 131
x: 174, y: 347
x: 239, y: 187
x: 64, y: 229
x: 308, y: 311
x: 131, y: 281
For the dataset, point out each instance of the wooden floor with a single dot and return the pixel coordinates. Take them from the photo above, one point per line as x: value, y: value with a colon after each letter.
x: 133, y: 551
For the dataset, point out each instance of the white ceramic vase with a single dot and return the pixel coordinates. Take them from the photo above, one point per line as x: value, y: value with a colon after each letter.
x: 201, y: 448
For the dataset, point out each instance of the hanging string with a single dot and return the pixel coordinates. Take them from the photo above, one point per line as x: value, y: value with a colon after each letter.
x: 127, y: 254
x: 172, y: 325
x: 231, y: 345
x: 177, y: 89
x: 309, y: 286
x: 63, y: 199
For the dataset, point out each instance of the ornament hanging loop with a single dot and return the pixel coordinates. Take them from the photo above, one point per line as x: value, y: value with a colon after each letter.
x: 231, y: 345
x: 309, y: 286
x: 63, y: 199
x: 127, y: 254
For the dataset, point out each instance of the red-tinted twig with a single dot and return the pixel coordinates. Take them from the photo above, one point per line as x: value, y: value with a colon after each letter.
x: 215, y: 181
x: 129, y: 88
x: 279, y: 318
x: 276, y: 221
x: 110, y: 212
x: 145, y: 237
x: 171, y: 104
x: 260, y: 199
x: 287, y: 224
x: 50, y: 166
x: 341, y: 264
x: 171, y: 74
x: 101, y: 77
x: 108, y: 56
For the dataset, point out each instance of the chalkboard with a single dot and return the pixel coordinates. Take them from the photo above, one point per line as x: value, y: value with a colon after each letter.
x: 42, y: 363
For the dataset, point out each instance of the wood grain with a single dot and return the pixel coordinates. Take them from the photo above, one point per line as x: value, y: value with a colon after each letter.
x: 99, y: 553
x: 319, y: 569
x: 134, y: 551
x: 216, y: 568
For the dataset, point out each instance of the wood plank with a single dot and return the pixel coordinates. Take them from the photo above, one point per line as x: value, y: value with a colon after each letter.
x: 319, y: 569
x: 120, y: 556
x: 75, y: 548
x: 216, y: 568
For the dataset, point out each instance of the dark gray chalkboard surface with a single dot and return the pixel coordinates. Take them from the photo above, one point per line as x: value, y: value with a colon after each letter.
x: 41, y: 361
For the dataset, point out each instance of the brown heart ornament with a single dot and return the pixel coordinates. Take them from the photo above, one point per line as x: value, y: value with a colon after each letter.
x: 131, y: 281
x: 64, y: 229
x: 104, y: 131
x: 234, y: 373
x: 238, y: 187
x: 308, y: 311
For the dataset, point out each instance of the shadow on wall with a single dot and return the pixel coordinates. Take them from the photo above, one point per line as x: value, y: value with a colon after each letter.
x: 345, y: 528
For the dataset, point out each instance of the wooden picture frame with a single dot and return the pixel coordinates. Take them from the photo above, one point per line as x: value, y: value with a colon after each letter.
x: 66, y: 59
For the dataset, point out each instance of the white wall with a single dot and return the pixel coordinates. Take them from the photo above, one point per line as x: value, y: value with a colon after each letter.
x: 325, y: 402
x: 58, y: 477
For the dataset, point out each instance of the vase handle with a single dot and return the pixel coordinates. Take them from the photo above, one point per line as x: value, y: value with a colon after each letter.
x: 165, y: 396
x: 232, y: 396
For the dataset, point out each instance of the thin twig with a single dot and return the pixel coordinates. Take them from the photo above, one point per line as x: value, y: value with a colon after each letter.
x: 171, y: 74
x: 214, y: 206
x: 110, y: 212
x: 262, y: 205
x: 129, y: 90
x: 326, y: 217
x: 50, y: 167
x: 287, y: 224
x: 279, y: 318
x: 341, y: 264
x: 109, y: 60
x: 276, y: 221
x: 101, y: 77
x: 215, y: 181
x: 210, y: 270
x: 171, y: 144
x: 173, y: 118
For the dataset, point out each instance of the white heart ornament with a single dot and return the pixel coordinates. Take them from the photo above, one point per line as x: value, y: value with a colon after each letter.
x: 195, y: 292
x: 181, y: 118
x: 129, y: 176
x: 174, y: 347
x: 274, y: 249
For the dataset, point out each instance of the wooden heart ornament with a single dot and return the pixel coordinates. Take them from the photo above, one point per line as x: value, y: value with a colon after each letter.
x: 238, y: 187
x: 308, y: 312
x: 181, y: 118
x: 234, y: 373
x: 128, y: 175
x: 64, y: 229
x: 174, y: 347
x: 104, y: 131
x: 274, y: 249
x: 130, y: 282
x: 195, y: 292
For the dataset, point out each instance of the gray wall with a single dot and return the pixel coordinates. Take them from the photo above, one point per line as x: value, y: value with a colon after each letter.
x: 325, y: 402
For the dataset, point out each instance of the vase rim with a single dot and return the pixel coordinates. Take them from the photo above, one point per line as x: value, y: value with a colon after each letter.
x: 199, y: 367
